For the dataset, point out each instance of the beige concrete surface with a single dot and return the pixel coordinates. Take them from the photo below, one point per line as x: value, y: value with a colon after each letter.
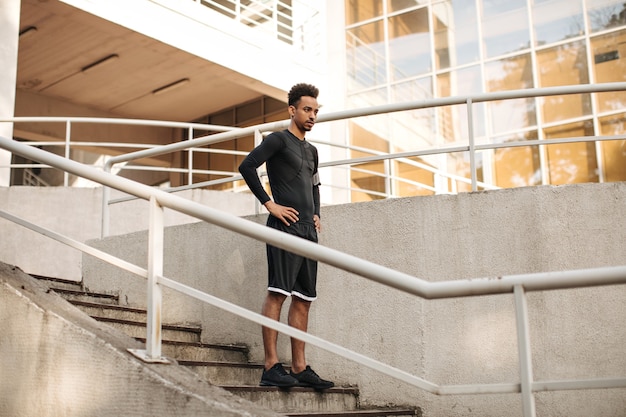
x: 56, y: 361
x: 575, y: 333
x: 77, y: 214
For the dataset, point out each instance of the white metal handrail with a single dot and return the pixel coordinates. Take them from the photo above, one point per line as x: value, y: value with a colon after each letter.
x: 229, y: 133
x: 67, y: 142
x: 519, y: 285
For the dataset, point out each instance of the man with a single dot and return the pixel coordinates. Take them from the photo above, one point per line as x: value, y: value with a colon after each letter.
x: 291, y: 164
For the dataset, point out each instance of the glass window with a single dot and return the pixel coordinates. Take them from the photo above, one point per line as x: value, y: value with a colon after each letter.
x: 609, y: 56
x: 452, y: 121
x: 456, y: 33
x: 416, y: 128
x: 564, y: 65
x: 571, y: 163
x: 360, y: 10
x: 365, y: 52
x: 606, y: 14
x: 505, y: 26
x: 368, y: 98
x: 614, y: 152
x: 409, y: 44
x: 397, y: 5
x: 415, y: 179
x: 368, y: 176
x: 417, y: 89
x: 518, y: 166
x: 555, y: 20
x: 459, y: 164
x: 513, y: 73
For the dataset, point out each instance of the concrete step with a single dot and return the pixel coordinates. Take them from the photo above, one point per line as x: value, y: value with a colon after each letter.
x: 385, y: 412
x: 226, y: 373
x: 299, y: 400
x: 74, y: 290
x: 58, y: 283
x: 84, y: 295
x: 197, y: 352
x: 96, y: 309
x: 137, y: 329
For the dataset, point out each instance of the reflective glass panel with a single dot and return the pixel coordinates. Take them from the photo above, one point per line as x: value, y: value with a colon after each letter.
x: 365, y: 56
x: 505, y: 26
x: 571, y: 163
x: 456, y: 33
x: 397, y: 5
x: 416, y: 128
x: 518, y: 166
x: 459, y: 164
x: 564, y: 65
x: 513, y: 73
x: 360, y: 10
x: 452, y: 120
x: 415, y: 180
x: 606, y: 14
x: 368, y: 98
x: 556, y: 20
x: 609, y: 65
x: 409, y: 44
x: 368, y: 177
x: 614, y: 152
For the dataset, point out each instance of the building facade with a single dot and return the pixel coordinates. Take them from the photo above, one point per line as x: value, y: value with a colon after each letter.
x: 418, y: 50
x: 389, y: 51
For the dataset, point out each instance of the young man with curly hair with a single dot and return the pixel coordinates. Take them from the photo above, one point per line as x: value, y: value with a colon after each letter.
x: 292, y: 164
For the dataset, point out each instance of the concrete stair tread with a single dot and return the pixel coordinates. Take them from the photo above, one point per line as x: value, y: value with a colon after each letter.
x: 181, y: 327
x: 221, y: 363
x: 238, y: 348
x: 115, y: 307
x: 298, y: 399
x: 383, y: 412
x: 80, y: 293
x: 259, y: 388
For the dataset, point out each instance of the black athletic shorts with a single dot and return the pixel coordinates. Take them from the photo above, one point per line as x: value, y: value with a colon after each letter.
x: 288, y: 273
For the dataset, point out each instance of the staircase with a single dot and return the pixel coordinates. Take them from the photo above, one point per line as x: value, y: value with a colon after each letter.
x: 226, y: 366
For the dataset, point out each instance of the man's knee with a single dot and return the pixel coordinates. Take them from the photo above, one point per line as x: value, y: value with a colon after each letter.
x: 275, y: 297
x: 300, y: 304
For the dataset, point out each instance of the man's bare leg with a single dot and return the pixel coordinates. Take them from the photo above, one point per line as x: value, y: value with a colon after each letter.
x: 298, y: 318
x: 271, y: 308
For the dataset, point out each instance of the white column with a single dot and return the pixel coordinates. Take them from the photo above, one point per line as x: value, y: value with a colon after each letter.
x: 9, y: 33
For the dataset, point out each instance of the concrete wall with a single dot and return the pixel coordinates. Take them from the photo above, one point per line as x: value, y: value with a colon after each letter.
x: 56, y: 361
x: 575, y: 333
x: 77, y: 213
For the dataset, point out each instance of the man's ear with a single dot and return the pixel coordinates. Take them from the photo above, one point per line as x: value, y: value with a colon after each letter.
x: 292, y: 111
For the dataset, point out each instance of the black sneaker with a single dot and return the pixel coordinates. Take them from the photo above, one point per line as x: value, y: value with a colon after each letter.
x: 308, y: 378
x: 276, y: 376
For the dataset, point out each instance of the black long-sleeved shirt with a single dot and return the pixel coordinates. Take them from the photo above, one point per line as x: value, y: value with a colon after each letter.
x: 292, y: 170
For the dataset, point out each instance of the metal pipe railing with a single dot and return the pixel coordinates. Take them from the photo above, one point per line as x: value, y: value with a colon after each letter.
x: 229, y: 133
x: 516, y: 284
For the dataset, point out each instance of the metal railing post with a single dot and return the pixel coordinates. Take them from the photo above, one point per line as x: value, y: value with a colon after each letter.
x: 472, y: 150
x: 258, y: 138
x: 524, y: 348
x: 68, y: 132
x: 190, y: 159
x: 155, y: 270
x: 106, y: 194
x: 152, y: 353
x: 389, y: 191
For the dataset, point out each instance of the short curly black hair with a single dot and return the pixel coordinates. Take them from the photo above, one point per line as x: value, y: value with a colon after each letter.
x: 301, y: 90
